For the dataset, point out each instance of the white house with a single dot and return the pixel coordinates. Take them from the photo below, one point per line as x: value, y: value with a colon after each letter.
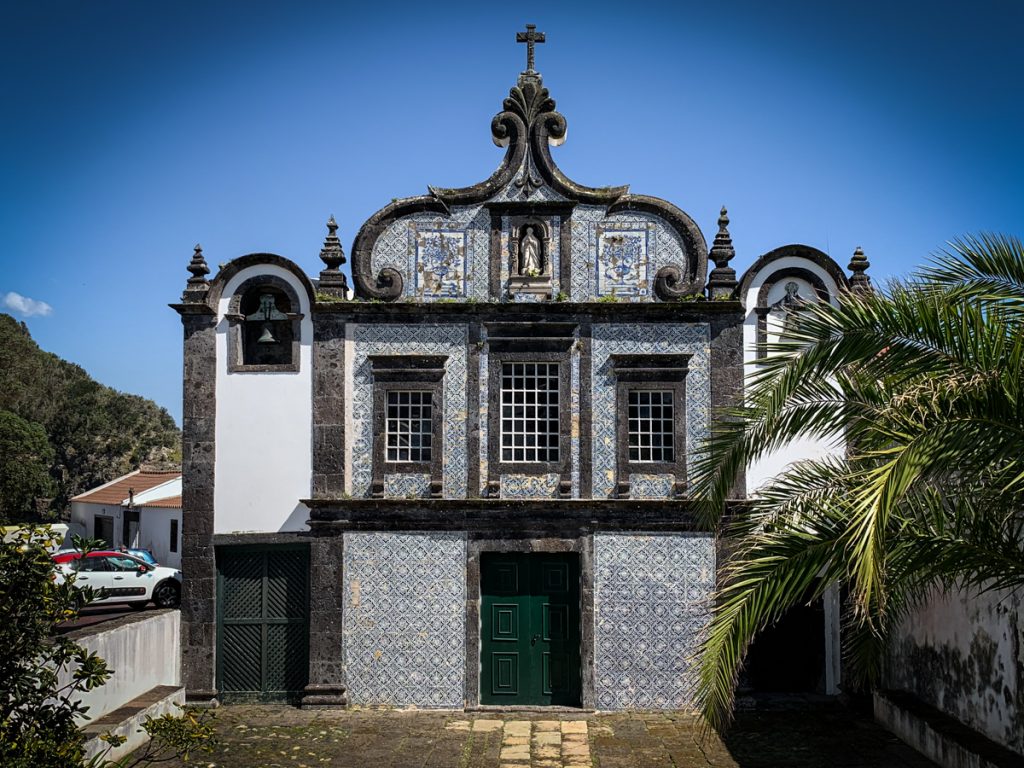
x: 141, y: 509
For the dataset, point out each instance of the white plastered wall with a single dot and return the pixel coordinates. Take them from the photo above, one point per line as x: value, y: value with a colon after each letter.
x: 264, y: 439
x: 770, y: 465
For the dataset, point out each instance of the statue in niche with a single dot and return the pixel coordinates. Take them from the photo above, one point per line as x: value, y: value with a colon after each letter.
x: 531, y: 254
x: 788, y: 306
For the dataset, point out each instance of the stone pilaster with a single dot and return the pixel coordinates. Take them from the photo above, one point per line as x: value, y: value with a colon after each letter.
x: 727, y: 375
x: 326, y: 688
x: 198, y: 604
x: 328, y: 405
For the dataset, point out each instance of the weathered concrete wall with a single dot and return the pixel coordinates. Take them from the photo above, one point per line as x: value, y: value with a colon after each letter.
x: 963, y: 653
x: 143, y: 651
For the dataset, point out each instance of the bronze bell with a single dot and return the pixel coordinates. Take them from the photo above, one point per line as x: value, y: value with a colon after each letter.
x: 267, y: 313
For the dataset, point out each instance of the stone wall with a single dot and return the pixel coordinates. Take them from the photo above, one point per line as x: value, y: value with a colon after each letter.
x: 963, y: 653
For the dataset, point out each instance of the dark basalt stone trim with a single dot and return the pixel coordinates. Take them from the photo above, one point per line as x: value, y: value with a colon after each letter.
x: 795, y: 250
x: 387, y: 284
x: 586, y: 458
x: 476, y: 545
x: 564, y: 311
x: 199, y: 590
x: 326, y: 686
x: 473, y: 411
x: 543, y: 516
x: 650, y: 372
x: 406, y: 372
x: 507, y: 130
x: 514, y: 350
x: 727, y: 378
x: 550, y: 128
x: 688, y: 231
x: 235, y: 266
x: 259, y: 538
x: 328, y: 405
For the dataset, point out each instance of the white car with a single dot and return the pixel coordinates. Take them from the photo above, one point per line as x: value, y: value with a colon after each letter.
x: 117, y: 577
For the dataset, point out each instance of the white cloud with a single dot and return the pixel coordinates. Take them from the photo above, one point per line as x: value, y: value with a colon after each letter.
x: 26, y: 307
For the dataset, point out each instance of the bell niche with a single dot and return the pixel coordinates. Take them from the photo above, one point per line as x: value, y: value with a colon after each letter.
x: 264, y: 327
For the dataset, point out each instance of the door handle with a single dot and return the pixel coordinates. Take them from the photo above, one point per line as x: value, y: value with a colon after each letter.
x: 534, y: 639
x: 118, y: 578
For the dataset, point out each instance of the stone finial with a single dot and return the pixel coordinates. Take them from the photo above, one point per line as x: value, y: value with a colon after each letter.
x: 197, y: 287
x: 859, y: 281
x: 332, y: 280
x: 722, y: 280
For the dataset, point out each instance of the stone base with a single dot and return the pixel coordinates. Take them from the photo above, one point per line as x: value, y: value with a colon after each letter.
x: 324, y: 697
x: 538, y: 287
x: 201, y: 698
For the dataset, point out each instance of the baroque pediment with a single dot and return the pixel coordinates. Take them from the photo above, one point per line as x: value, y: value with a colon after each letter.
x: 435, y: 255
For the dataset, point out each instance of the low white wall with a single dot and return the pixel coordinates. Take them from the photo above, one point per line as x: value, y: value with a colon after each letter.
x: 963, y: 653
x: 143, y: 651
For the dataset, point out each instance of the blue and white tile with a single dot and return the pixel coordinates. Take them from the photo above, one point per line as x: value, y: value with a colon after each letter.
x: 652, y: 604
x: 404, y: 619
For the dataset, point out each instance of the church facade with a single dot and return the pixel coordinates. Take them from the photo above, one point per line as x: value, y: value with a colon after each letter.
x: 464, y: 481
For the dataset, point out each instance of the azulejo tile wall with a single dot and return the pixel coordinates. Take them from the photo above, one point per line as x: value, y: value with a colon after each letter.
x: 529, y: 486
x: 404, y: 619
x: 407, y: 486
x: 384, y: 339
x: 652, y: 603
x: 650, y: 486
x: 646, y: 338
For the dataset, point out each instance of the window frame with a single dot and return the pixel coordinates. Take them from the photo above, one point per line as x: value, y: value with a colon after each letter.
x: 524, y: 343
x: 660, y: 465
x: 558, y: 405
x: 650, y: 373
x: 407, y: 373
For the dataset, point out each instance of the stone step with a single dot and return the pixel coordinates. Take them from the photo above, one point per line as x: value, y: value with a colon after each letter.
x: 127, y: 720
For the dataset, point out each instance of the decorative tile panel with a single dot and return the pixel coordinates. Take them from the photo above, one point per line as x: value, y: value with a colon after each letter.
x: 387, y: 339
x: 608, y: 255
x: 622, y: 259
x: 424, y: 248
x: 652, y: 604
x: 407, y: 486
x: 574, y: 420
x: 651, y: 486
x: 404, y: 619
x: 646, y: 338
x: 440, y: 263
x: 529, y: 486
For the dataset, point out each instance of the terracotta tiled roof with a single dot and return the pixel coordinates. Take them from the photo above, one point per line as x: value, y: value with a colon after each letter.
x: 116, y: 491
x: 171, y: 502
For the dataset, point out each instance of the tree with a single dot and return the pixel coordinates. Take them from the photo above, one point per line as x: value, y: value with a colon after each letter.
x: 43, y: 672
x: 924, y: 382
x: 25, y: 460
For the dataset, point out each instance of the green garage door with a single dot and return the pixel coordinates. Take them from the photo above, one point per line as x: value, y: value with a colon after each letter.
x: 530, y: 629
x: 263, y: 624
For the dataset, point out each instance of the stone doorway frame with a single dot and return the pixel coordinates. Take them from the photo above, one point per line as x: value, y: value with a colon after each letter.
x: 582, y: 545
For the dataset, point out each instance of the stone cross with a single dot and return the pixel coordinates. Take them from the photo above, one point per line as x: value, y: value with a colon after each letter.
x: 530, y: 36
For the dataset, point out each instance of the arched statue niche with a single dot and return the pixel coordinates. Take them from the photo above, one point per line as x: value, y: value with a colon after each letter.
x: 530, y: 257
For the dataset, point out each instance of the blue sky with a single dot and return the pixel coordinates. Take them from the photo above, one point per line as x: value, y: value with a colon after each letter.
x: 131, y: 131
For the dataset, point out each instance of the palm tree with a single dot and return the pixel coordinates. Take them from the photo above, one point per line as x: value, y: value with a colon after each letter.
x: 924, y: 383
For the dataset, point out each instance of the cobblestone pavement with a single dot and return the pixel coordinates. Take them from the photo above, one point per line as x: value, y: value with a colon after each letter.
x: 270, y: 736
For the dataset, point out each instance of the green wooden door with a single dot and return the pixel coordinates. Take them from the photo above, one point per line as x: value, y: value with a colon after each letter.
x: 263, y: 624
x: 530, y: 629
